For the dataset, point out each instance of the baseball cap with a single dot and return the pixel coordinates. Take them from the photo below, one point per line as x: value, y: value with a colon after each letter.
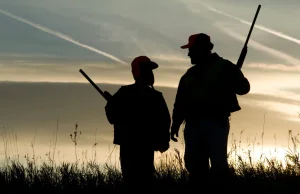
x: 200, y: 40
x: 142, y: 61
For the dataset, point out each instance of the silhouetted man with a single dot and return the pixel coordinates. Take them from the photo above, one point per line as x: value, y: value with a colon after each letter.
x: 141, y: 124
x: 205, y: 99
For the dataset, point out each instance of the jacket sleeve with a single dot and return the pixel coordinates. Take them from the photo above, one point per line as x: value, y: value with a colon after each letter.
x: 112, y: 107
x: 165, y: 121
x: 178, y: 107
x: 240, y: 84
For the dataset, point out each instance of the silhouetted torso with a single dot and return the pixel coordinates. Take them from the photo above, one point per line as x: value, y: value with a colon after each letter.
x: 208, y: 91
x: 135, y: 112
x: 141, y: 124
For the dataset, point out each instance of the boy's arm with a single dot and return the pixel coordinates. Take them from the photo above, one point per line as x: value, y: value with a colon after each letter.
x: 165, y: 119
x: 112, y: 106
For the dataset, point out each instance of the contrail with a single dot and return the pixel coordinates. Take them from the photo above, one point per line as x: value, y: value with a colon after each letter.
x: 263, y: 28
x: 262, y: 47
x: 62, y: 36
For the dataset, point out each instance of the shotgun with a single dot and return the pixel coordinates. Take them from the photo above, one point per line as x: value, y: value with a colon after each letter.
x: 106, y: 95
x: 243, y: 54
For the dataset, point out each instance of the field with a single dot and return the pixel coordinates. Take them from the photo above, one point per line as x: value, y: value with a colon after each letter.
x: 264, y: 175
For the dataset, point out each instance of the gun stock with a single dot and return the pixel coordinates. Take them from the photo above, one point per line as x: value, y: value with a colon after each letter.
x: 243, y: 54
x: 106, y: 95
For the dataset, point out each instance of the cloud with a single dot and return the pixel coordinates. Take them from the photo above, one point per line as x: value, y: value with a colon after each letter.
x: 259, y: 46
x: 274, y: 67
x: 62, y: 36
x: 171, y: 58
x: 38, y: 71
x: 288, y: 110
x: 260, y: 27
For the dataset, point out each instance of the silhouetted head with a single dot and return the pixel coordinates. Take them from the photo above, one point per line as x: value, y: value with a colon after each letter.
x: 200, y: 47
x: 141, y: 70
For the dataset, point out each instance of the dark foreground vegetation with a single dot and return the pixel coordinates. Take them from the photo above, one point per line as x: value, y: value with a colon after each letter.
x: 264, y: 176
x: 267, y: 175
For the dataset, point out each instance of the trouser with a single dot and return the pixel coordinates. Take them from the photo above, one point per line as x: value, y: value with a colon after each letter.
x: 206, y: 140
x: 137, y: 167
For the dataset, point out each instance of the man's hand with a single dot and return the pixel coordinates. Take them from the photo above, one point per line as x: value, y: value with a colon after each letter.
x: 174, y: 132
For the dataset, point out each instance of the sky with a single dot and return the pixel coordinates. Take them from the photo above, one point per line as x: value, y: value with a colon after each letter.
x: 45, y: 43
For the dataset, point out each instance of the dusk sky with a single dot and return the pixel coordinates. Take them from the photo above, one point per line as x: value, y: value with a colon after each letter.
x: 49, y: 41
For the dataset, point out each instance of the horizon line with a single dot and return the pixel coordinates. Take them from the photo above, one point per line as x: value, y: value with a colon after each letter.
x: 79, y: 82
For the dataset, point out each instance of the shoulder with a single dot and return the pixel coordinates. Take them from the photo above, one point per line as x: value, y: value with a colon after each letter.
x: 123, y: 90
x: 190, y: 71
x: 226, y: 63
x: 229, y: 63
x: 158, y: 95
x: 231, y: 67
x: 127, y: 87
x: 222, y: 60
x: 189, y: 75
x: 156, y: 92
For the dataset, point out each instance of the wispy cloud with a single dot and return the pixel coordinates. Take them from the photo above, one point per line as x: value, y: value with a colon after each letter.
x: 260, y: 27
x: 289, y: 111
x: 171, y: 58
x: 275, y: 67
x: 259, y: 46
x: 62, y: 36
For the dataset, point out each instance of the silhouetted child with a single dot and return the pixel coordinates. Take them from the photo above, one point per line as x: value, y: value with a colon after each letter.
x: 141, y: 122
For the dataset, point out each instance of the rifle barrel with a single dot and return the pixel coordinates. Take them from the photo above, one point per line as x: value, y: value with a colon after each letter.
x: 243, y: 53
x: 91, y: 81
x: 254, y: 20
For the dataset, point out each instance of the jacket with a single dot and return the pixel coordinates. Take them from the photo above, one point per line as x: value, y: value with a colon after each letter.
x: 209, y: 91
x: 140, y: 116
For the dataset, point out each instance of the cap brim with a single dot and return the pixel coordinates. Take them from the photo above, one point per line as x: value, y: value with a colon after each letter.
x: 153, y: 65
x: 185, y: 46
x: 149, y: 65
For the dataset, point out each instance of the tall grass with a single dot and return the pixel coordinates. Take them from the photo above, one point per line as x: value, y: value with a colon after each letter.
x: 265, y: 174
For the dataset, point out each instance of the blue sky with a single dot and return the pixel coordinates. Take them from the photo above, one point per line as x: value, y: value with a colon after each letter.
x: 49, y: 41
x: 51, y: 45
x: 125, y: 30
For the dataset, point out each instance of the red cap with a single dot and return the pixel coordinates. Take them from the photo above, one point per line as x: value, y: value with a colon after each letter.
x: 141, y: 60
x: 201, y: 40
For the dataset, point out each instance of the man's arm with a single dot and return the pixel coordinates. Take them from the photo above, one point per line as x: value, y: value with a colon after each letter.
x: 165, y: 121
x: 178, y: 109
x: 240, y: 84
